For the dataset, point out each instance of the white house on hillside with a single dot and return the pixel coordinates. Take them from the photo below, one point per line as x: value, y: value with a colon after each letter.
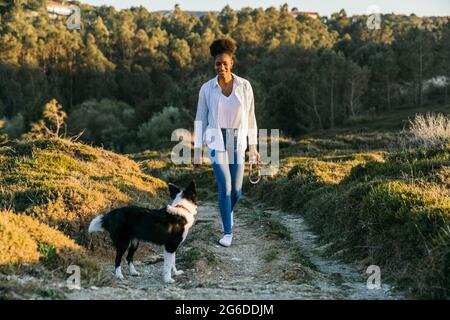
x: 313, y: 15
x: 58, y: 8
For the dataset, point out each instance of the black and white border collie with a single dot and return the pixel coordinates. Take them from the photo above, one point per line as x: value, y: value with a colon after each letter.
x: 168, y: 226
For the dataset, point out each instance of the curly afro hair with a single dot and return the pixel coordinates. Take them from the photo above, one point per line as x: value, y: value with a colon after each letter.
x: 222, y: 46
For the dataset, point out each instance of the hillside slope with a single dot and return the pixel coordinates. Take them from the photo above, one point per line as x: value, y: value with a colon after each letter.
x: 50, y: 189
x: 372, y: 200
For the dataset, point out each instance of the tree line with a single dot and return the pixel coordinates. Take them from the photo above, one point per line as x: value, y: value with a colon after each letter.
x: 125, y: 72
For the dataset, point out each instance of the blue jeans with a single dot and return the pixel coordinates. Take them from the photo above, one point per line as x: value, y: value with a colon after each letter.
x: 228, y: 168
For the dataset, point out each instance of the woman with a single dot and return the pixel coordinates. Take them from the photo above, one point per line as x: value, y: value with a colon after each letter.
x: 225, y: 119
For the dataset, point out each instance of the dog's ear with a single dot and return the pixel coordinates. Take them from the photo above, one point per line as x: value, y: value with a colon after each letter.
x: 191, y: 192
x: 174, y: 190
x: 192, y: 187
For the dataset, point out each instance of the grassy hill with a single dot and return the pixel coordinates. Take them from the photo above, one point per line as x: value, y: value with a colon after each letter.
x: 372, y: 200
x: 50, y: 189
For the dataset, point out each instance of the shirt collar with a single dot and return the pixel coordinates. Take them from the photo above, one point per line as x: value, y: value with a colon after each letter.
x: 236, y: 82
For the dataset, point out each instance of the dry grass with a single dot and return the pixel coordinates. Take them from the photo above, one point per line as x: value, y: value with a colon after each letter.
x: 429, y: 130
x: 25, y: 242
x: 22, y: 236
x: 382, y: 205
x: 65, y: 184
x: 50, y: 189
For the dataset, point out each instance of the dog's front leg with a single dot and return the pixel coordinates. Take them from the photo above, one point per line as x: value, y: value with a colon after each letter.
x: 167, y: 268
x: 174, y: 268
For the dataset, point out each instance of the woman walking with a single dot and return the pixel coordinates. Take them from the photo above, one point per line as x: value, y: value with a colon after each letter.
x: 225, y: 119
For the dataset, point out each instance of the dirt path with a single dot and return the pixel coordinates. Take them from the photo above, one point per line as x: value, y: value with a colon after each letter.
x: 257, y: 265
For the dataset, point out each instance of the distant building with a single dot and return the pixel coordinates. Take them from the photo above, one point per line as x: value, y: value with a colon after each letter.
x: 57, y: 8
x: 314, y: 15
x: 199, y: 14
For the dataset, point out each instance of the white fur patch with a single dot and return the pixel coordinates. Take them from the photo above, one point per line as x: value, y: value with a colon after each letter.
x: 174, y: 268
x: 96, y: 224
x: 119, y: 274
x: 187, y: 214
x: 132, y: 269
x: 169, y: 261
x: 191, y: 208
x: 177, y: 199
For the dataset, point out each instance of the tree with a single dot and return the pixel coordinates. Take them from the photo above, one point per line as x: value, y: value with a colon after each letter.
x: 142, y: 50
x: 444, y: 58
x: 53, y: 119
x: 384, y: 70
x: 340, y: 22
x: 309, y: 88
x: 320, y: 70
x: 180, y: 53
x: 356, y: 79
x: 180, y: 24
x: 228, y: 20
x: 331, y: 67
x: 415, y: 56
x: 382, y: 64
x: 102, y: 37
x: 245, y: 33
x: 123, y: 39
x: 96, y: 68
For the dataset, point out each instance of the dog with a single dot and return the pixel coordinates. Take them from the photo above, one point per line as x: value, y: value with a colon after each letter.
x: 167, y: 226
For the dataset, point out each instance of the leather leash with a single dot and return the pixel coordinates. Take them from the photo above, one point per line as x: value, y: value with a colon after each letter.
x: 254, y: 168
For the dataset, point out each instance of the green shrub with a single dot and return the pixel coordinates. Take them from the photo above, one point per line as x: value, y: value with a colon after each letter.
x: 107, y: 123
x: 392, y: 212
x: 15, y: 127
x: 157, y: 132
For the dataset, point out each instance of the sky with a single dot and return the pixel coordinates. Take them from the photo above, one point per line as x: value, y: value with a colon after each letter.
x: 323, y: 7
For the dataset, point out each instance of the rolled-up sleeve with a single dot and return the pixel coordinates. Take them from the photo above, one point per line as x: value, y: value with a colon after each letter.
x: 252, y: 127
x: 201, y: 119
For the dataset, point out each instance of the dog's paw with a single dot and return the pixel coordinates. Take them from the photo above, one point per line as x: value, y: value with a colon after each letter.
x: 120, y: 277
x: 178, y: 272
x: 119, y: 274
x: 169, y: 280
x: 132, y: 270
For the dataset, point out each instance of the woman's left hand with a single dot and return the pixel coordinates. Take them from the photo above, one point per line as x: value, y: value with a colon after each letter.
x: 254, y: 155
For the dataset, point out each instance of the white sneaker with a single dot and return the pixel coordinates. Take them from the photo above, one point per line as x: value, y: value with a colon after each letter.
x: 226, y: 240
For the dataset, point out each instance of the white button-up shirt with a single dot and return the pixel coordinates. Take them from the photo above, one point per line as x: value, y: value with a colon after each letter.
x: 206, y: 125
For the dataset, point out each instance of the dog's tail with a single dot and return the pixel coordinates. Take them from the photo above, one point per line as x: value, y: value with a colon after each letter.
x: 96, y: 224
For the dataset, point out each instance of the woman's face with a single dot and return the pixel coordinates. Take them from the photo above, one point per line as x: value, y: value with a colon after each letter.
x: 223, y: 64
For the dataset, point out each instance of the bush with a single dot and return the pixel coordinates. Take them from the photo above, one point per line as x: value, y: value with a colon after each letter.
x: 107, y: 123
x: 429, y: 131
x: 156, y: 133
x: 51, y: 124
x: 15, y: 126
x: 393, y: 211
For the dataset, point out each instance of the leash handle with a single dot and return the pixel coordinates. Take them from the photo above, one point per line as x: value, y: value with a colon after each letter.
x: 258, y: 171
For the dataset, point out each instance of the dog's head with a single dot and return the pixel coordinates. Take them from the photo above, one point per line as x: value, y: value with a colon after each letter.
x: 178, y: 196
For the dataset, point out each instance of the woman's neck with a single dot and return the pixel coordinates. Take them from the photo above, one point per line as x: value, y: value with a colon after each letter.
x: 225, y: 79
